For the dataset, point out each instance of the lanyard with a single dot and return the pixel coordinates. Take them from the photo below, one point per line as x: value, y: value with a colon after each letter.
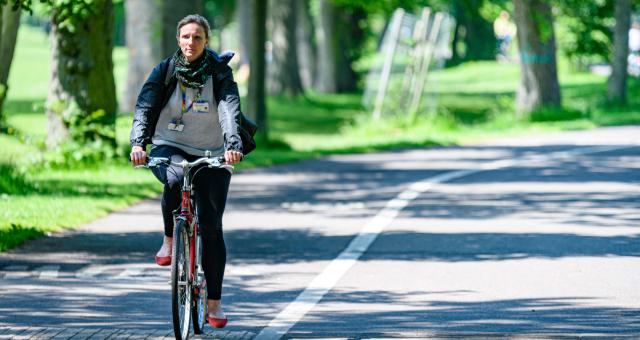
x: 186, y: 108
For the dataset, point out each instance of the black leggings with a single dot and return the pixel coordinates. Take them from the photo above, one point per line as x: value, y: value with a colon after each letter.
x: 210, y: 188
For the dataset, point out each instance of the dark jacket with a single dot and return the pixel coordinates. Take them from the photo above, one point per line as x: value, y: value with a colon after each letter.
x: 155, y: 95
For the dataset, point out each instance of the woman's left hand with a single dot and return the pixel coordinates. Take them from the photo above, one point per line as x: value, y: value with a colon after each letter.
x: 232, y: 156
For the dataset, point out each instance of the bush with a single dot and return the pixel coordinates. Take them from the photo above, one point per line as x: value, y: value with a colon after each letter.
x: 91, y: 137
x: 554, y: 114
x: 12, y: 181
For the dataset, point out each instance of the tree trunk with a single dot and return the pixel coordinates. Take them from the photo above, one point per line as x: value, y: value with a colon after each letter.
x: 338, y: 35
x: 82, y: 99
x: 456, y: 57
x: 617, y: 87
x: 306, y: 49
x: 348, y: 40
x: 143, y: 44
x: 243, y: 15
x: 256, y: 106
x: 9, y: 23
x: 537, y: 46
x: 478, y: 38
x: 172, y: 12
x: 284, y: 73
x: 327, y: 69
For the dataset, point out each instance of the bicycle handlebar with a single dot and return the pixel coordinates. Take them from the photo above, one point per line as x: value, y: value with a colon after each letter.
x: 214, y: 162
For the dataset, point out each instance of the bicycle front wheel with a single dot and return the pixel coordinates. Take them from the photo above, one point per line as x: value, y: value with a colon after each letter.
x: 180, y: 285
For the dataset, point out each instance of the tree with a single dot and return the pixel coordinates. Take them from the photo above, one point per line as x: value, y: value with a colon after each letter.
x: 587, y: 36
x: 222, y: 13
x: 536, y: 43
x: 305, y: 44
x: 9, y: 23
x: 143, y: 45
x: 326, y: 36
x: 339, y: 36
x: 172, y: 12
x: 82, y: 99
x: 256, y: 106
x: 284, y: 73
x: 243, y: 12
x: 350, y: 46
x: 474, y: 30
x: 617, y: 86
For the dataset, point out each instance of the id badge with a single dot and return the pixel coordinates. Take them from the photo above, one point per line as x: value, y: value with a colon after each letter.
x: 175, y: 126
x: 201, y: 106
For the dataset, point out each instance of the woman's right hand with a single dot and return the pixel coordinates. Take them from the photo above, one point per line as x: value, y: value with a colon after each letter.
x: 138, y: 155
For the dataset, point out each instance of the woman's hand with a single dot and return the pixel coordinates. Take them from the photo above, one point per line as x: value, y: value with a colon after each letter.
x: 138, y: 155
x: 232, y: 156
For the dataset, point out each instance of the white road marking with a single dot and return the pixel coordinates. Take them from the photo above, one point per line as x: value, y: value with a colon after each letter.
x: 326, y: 280
x: 125, y: 272
x: 16, y: 272
x: 48, y: 272
x: 129, y: 273
x: 117, y: 272
x: 90, y: 272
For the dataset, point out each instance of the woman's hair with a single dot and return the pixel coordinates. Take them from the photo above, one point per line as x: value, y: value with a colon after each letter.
x: 194, y: 18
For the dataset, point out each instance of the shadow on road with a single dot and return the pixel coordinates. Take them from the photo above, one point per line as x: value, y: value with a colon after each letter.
x: 333, y: 181
x: 567, y: 315
x: 570, y: 191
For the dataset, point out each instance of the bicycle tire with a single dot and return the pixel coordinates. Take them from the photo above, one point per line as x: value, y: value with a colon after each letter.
x: 199, y: 309
x: 180, y: 287
x: 200, y: 293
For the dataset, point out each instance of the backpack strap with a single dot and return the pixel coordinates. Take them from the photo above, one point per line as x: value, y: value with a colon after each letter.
x: 167, y: 77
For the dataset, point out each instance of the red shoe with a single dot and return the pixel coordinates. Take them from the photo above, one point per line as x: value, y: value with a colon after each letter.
x: 163, y: 260
x: 217, y: 323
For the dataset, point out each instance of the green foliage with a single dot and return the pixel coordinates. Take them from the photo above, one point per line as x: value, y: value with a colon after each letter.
x: 554, y: 114
x: 474, y: 38
x: 12, y: 181
x: 383, y: 6
x: 68, y: 14
x: 490, y: 10
x: 272, y: 143
x: 90, y: 139
x: 585, y: 30
x: 544, y: 26
x: 219, y: 13
x: 15, y: 234
x: 26, y: 5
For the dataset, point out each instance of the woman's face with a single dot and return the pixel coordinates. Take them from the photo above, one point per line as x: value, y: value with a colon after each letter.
x: 192, y: 41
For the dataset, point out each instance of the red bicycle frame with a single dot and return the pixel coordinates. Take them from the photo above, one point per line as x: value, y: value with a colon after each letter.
x: 187, y: 214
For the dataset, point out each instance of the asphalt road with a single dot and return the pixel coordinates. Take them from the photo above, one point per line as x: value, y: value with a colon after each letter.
x: 530, y: 237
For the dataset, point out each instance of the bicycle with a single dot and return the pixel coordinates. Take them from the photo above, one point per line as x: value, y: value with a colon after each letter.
x: 188, y: 284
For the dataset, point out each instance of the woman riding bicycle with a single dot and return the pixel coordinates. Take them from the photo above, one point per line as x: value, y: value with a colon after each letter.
x: 188, y: 105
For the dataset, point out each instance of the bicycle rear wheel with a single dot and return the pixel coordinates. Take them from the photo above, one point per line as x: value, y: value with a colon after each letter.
x: 180, y: 285
x: 199, y: 309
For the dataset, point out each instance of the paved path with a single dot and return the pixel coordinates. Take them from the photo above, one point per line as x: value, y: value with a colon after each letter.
x: 527, y: 238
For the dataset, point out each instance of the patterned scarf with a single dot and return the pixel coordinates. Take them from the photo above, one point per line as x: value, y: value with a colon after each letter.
x: 196, y: 73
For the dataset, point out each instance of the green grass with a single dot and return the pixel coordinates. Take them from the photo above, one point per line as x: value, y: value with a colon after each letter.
x: 47, y: 201
x: 475, y: 103
x: 29, y: 75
